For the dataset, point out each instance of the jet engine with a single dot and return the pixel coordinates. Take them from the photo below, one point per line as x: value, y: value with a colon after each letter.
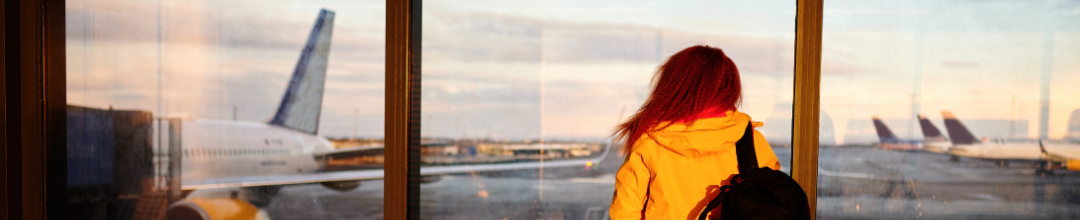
x: 342, y: 186
x: 214, y: 208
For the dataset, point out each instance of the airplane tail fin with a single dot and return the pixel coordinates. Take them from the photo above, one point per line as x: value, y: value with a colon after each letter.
x: 302, y: 103
x: 957, y: 131
x: 1042, y: 148
x: 929, y: 130
x: 1050, y: 156
x: 883, y: 131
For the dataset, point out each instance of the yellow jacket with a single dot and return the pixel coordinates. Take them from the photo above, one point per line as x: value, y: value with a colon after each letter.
x: 673, y: 173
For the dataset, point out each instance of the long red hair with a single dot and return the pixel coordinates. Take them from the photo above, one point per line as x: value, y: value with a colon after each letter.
x: 694, y: 80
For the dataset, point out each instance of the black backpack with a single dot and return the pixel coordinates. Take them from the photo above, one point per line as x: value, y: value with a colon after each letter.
x: 758, y: 193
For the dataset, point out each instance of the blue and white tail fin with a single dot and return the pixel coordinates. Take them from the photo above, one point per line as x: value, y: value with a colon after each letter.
x: 957, y: 131
x: 929, y: 130
x: 302, y: 103
x: 883, y: 132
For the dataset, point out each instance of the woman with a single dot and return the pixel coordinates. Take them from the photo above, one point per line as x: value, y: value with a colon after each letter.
x: 680, y: 146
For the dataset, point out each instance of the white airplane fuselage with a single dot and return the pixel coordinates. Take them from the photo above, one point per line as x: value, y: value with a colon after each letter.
x: 1071, y: 151
x: 999, y: 151
x: 937, y: 146
x: 223, y: 149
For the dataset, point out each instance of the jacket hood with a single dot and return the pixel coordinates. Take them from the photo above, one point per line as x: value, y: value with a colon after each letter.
x: 703, y: 137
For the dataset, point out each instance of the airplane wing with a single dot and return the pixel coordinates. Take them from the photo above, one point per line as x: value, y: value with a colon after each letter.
x: 246, y: 181
x: 1050, y: 156
x: 354, y: 151
x: 433, y: 170
x: 1064, y: 161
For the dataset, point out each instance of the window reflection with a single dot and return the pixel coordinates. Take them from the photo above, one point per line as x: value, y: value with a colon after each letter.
x: 519, y: 98
x: 191, y: 107
x: 949, y: 110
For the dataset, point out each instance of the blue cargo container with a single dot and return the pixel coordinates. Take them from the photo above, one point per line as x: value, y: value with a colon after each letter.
x: 89, y: 148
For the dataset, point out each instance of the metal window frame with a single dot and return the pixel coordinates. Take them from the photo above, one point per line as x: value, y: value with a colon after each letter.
x: 403, y: 102
x: 402, y: 129
x: 34, y: 97
x: 33, y: 182
x: 805, y: 118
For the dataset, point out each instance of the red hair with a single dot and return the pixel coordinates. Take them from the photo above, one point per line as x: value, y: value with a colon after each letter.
x: 690, y: 82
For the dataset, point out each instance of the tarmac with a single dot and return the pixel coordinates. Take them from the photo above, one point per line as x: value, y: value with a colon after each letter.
x: 854, y: 183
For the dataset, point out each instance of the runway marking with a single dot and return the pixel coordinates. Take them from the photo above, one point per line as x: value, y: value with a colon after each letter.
x: 481, y: 191
x: 592, y: 180
x: 984, y: 196
x: 606, y: 178
x: 845, y: 174
x: 541, y: 187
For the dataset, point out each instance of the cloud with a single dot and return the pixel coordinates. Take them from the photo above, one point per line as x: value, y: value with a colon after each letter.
x: 495, y: 37
x: 573, y: 109
x: 211, y: 24
x: 959, y: 64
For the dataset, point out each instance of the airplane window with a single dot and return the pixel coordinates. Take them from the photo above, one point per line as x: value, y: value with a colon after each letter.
x: 950, y: 110
x: 216, y: 90
x: 527, y: 94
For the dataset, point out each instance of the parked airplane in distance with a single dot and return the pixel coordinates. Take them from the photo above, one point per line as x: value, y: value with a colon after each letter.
x: 890, y: 141
x: 1065, y: 154
x: 257, y: 158
x: 935, y: 141
x: 965, y: 144
x: 1060, y: 161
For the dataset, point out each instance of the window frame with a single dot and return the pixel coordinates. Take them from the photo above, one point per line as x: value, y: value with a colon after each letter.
x: 807, y: 102
x: 403, y: 104
x: 33, y: 180
x: 33, y: 176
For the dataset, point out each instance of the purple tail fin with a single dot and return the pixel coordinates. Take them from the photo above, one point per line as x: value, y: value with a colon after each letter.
x: 883, y: 132
x: 957, y: 131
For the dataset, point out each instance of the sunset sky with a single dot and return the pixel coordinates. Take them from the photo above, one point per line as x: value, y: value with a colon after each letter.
x: 571, y: 69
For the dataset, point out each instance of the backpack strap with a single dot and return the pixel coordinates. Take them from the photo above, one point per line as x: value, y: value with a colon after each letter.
x: 744, y: 150
x: 747, y: 156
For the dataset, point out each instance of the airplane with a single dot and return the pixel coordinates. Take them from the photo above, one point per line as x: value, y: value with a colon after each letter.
x: 1059, y: 156
x: 965, y: 144
x: 259, y: 158
x: 1065, y: 156
x: 890, y: 141
x: 1059, y: 161
x: 935, y: 142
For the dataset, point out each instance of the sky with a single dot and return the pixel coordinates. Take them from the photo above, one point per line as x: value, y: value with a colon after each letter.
x: 573, y: 69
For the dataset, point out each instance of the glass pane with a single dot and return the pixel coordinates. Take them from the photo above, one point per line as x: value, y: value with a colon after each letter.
x: 940, y: 109
x: 274, y: 109
x: 510, y: 85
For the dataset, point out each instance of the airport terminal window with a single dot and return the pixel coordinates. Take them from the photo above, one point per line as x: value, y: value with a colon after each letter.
x: 267, y: 105
x: 519, y: 98
x: 950, y: 110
